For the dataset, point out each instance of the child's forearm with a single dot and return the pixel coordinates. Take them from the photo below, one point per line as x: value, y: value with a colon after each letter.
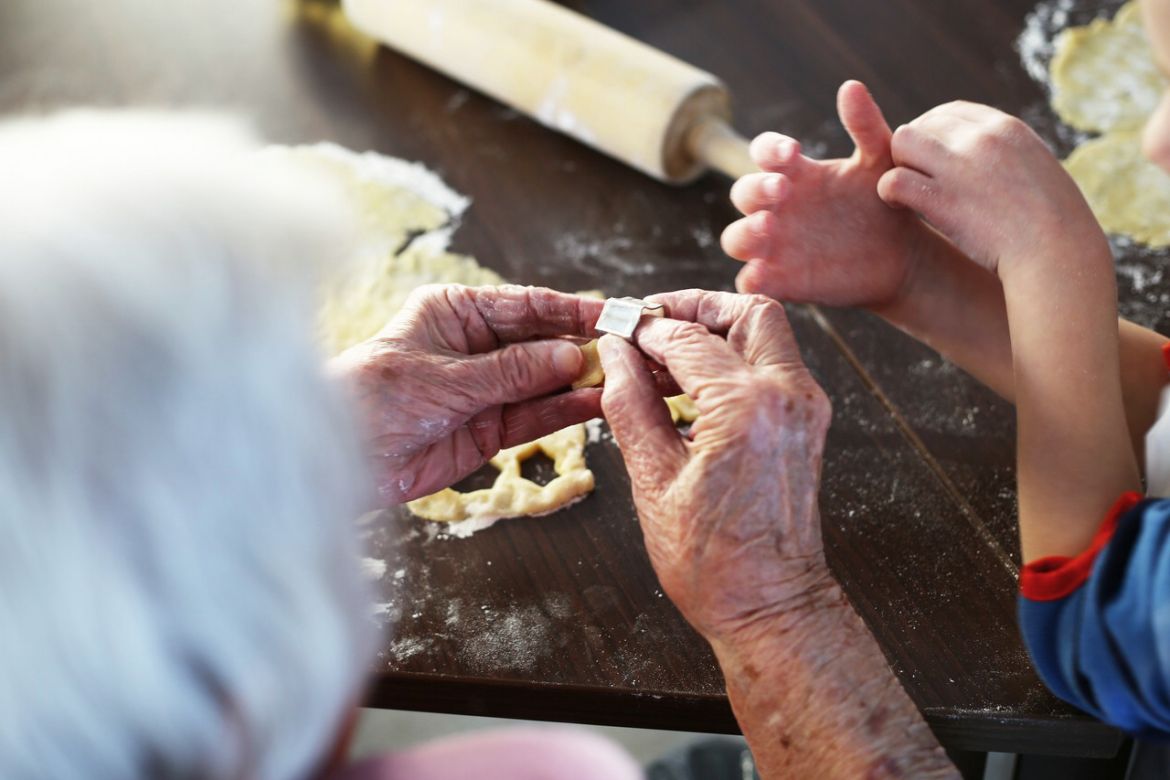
x: 958, y: 309
x: 1073, y: 448
x: 955, y: 307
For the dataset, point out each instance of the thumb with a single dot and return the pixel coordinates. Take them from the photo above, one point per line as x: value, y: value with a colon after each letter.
x: 650, y: 444
x: 517, y: 372
x: 865, y: 124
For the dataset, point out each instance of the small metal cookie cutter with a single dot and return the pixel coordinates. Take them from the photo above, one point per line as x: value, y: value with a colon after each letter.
x: 621, y: 316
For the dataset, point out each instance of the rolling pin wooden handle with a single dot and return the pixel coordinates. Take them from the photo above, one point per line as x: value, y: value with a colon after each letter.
x: 616, y: 94
x: 717, y: 145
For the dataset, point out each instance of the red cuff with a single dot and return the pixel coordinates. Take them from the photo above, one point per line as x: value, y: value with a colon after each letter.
x: 1166, y: 354
x: 1057, y: 576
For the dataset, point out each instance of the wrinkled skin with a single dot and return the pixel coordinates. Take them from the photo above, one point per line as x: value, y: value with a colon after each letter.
x: 816, y: 231
x: 987, y: 182
x: 461, y: 373
x: 729, y: 515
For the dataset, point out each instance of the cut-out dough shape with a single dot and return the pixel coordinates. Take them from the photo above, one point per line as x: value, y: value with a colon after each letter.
x: 1128, y: 193
x: 1103, y: 75
x: 512, y: 495
x: 406, y: 215
x: 1105, y: 80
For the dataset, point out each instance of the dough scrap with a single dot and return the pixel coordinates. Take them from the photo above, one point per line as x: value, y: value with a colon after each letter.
x: 1105, y: 81
x: 1103, y: 74
x: 681, y: 406
x: 406, y: 215
x: 512, y: 495
x: 592, y: 374
x: 1128, y: 193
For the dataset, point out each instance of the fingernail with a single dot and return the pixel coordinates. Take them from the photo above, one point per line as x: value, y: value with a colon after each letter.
x: 771, y: 187
x: 782, y: 150
x: 609, y: 351
x: 567, y: 359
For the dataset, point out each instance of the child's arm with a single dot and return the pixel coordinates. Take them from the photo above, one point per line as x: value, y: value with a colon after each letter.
x: 957, y: 308
x: 817, y: 231
x: 1095, y: 623
x: 991, y: 186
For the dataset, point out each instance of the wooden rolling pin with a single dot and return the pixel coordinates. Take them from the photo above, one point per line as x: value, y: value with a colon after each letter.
x: 618, y: 95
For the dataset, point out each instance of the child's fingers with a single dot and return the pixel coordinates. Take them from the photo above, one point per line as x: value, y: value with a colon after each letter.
x: 865, y: 124
x: 911, y: 189
x: 776, y: 153
x: 912, y: 146
x: 776, y: 279
x: 754, y: 277
x: 750, y: 237
x: 963, y: 109
x: 759, y: 192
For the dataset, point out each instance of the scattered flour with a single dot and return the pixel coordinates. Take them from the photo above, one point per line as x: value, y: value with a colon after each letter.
x: 594, y: 431
x: 703, y: 236
x: 411, y: 646
x: 1037, y: 43
x: 466, y: 528
x: 372, y: 568
x: 588, y: 253
x: 391, y: 172
x: 516, y: 640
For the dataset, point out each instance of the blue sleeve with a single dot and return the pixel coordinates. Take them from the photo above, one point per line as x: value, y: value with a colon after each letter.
x: 1105, y: 646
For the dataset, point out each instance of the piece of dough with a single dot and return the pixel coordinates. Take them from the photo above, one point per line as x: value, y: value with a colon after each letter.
x: 1103, y: 74
x: 681, y: 406
x: 592, y: 374
x: 1105, y: 81
x: 512, y: 495
x: 1128, y: 193
x: 406, y: 216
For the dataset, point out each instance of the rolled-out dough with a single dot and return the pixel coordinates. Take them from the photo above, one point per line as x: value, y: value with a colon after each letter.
x: 1105, y: 81
x: 406, y: 216
x: 1129, y: 194
x: 1103, y: 74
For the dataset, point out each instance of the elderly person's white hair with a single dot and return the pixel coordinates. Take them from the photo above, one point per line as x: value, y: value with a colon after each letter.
x: 179, y: 588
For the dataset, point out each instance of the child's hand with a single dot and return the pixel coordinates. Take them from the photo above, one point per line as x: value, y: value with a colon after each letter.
x: 816, y: 230
x: 988, y: 183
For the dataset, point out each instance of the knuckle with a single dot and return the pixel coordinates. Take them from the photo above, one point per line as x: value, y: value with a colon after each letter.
x: 763, y: 302
x: 903, y: 140
x: 690, y: 333
x: 896, y: 181
x: 427, y: 293
x: 514, y: 368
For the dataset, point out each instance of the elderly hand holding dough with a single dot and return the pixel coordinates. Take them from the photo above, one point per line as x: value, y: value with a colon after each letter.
x: 462, y: 373
x: 729, y: 512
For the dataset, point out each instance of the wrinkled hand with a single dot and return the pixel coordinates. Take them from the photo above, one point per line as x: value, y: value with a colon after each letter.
x: 816, y: 231
x: 730, y: 515
x: 988, y: 183
x: 456, y: 376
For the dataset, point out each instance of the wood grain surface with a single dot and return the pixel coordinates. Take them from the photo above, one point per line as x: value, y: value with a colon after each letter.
x: 561, y: 617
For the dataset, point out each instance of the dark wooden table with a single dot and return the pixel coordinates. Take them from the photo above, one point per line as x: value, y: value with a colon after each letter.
x: 561, y: 618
